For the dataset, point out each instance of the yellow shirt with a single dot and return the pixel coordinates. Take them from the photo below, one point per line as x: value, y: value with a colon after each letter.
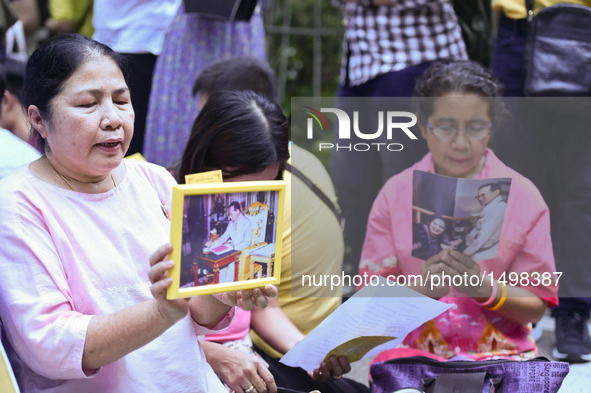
x: 73, y: 10
x: 515, y: 9
x: 312, y: 245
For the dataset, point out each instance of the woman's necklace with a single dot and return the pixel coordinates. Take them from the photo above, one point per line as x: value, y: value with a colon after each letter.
x: 70, y: 184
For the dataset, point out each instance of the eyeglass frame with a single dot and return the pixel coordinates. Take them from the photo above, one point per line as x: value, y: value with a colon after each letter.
x: 457, y: 131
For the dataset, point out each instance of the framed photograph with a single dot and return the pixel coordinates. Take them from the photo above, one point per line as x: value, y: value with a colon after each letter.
x: 226, y: 237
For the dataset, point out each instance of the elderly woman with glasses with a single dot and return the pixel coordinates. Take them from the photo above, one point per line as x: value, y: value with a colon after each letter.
x: 491, y: 316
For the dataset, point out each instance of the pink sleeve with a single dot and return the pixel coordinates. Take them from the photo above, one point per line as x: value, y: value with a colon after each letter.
x: 378, y: 256
x: 37, y: 306
x: 161, y: 179
x: 222, y: 324
x: 536, y: 255
x: 237, y: 330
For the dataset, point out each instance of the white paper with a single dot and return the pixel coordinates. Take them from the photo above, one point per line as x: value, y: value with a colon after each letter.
x: 373, y: 311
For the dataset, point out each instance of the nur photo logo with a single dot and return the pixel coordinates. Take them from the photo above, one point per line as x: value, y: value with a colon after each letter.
x: 391, y: 123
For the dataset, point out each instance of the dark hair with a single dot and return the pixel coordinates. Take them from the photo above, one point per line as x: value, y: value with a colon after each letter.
x: 15, y: 76
x: 456, y: 76
x: 437, y: 216
x: 54, y: 62
x: 238, y: 73
x: 434, y: 217
x: 239, y: 132
x: 496, y: 186
x: 2, y: 81
x: 235, y: 205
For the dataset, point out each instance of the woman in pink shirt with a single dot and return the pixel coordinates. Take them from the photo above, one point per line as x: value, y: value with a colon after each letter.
x: 456, y: 111
x: 83, y: 285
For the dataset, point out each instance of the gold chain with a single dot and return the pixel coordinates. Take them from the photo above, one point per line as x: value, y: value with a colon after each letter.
x: 70, y: 184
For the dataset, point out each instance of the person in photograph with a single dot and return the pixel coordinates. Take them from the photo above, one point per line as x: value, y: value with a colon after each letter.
x: 481, y: 241
x: 428, y: 238
x: 84, y: 235
x: 238, y: 232
x: 488, y: 318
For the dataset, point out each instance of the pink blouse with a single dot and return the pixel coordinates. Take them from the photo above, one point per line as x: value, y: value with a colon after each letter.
x: 67, y: 256
x: 524, y: 246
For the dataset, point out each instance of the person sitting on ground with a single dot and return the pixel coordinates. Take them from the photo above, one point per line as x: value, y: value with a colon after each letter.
x: 83, y: 286
x: 13, y: 117
x: 14, y: 152
x: 309, y: 225
x: 455, y: 113
x: 246, y: 137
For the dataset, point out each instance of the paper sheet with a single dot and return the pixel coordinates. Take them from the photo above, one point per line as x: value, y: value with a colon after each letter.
x: 372, y: 316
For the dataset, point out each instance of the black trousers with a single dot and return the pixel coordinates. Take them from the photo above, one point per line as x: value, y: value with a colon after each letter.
x: 139, y: 78
x: 295, y: 378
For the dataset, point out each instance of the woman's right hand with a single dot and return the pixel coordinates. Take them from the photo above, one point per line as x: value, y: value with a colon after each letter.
x: 239, y: 370
x: 432, y: 272
x: 248, y: 299
x: 171, y: 310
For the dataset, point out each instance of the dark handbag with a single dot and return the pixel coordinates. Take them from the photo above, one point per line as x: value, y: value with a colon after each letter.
x: 229, y: 10
x: 487, y: 376
x: 558, y: 51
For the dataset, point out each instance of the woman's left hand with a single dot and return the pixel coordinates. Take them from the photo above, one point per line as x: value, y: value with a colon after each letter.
x: 336, y: 369
x: 249, y: 298
x: 171, y: 310
x: 240, y: 371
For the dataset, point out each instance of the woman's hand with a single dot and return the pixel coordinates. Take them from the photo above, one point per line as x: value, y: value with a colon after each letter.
x: 334, y: 370
x: 432, y: 272
x: 249, y: 298
x: 239, y: 370
x: 171, y: 310
x: 456, y: 263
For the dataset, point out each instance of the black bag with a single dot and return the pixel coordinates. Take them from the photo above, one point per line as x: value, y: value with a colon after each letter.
x: 232, y: 10
x: 474, y: 18
x: 558, y: 53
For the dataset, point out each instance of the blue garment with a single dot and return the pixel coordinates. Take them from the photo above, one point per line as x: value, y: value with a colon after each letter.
x: 14, y: 152
x: 192, y: 43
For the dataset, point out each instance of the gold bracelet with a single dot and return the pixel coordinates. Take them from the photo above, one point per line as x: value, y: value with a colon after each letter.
x: 501, y: 301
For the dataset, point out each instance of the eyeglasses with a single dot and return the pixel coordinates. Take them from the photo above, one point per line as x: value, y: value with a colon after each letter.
x: 474, y: 132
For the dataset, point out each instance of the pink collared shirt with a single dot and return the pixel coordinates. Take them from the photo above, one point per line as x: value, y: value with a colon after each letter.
x: 67, y: 256
x: 524, y: 246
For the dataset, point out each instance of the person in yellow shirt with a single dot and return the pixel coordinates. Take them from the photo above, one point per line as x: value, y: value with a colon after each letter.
x: 312, y: 244
x: 70, y: 16
x: 555, y: 158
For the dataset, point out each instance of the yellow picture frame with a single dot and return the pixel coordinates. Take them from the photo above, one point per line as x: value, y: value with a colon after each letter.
x: 210, y: 226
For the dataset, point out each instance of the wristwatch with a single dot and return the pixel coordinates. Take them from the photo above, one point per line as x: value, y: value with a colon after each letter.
x: 366, y: 3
